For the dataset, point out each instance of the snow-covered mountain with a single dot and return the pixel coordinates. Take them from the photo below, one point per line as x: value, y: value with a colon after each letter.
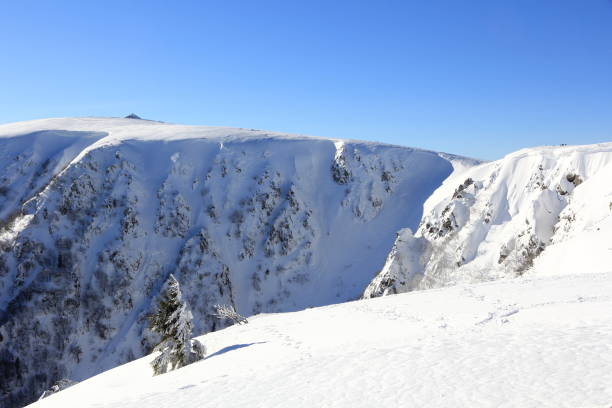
x: 548, y: 206
x: 527, y: 342
x: 96, y: 213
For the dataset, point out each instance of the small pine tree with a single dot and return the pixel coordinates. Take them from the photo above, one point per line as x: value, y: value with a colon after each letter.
x: 172, y: 321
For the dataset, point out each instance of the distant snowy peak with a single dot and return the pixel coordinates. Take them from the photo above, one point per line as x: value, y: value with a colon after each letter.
x: 497, y: 219
x: 97, y: 213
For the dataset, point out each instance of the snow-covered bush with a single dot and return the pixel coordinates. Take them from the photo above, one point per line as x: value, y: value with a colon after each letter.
x: 57, y: 387
x: 172, y: 321
x: 228, y: 312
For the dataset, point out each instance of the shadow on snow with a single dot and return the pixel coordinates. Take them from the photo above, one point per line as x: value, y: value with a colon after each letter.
x: 234, y: 347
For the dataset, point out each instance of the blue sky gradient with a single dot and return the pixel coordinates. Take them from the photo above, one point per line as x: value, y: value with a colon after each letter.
x: 480, y: 78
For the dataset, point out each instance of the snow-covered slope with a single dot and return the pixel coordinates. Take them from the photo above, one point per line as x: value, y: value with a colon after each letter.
x: 550, y: 206
x: 96, y: 213
x: 528, y: 342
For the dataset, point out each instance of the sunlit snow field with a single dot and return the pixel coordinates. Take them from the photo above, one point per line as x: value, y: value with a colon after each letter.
x: 529, y: 342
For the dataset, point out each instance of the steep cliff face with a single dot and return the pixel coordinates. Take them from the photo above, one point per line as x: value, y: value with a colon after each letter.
x: 96, y: 213
x: 538, y: 206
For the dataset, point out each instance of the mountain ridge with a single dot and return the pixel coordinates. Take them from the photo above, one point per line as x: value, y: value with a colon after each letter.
x: 98, y: 212
x: 498, y: 219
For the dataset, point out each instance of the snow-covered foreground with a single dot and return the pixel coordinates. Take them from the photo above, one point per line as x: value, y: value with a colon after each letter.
x: 527, y: 342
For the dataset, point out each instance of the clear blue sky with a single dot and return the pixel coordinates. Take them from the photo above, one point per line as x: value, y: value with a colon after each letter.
x: 477, y: 77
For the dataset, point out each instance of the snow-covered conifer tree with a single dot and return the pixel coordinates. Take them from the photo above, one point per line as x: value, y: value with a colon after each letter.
x: 172, y: 321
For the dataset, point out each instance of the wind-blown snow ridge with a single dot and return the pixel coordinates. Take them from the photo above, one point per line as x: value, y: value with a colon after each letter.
x: 544, y: 342
x: 96, y: 213
x: 548, y: 205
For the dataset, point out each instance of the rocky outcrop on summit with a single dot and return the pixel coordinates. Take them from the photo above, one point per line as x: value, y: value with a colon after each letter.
x: 97, y: 213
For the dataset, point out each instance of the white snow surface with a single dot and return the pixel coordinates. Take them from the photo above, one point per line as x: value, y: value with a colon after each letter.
x: 527, y: 342
x: 546, y: 206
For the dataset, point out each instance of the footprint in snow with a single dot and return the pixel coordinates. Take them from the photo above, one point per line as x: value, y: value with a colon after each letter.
x: 503, y: 317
